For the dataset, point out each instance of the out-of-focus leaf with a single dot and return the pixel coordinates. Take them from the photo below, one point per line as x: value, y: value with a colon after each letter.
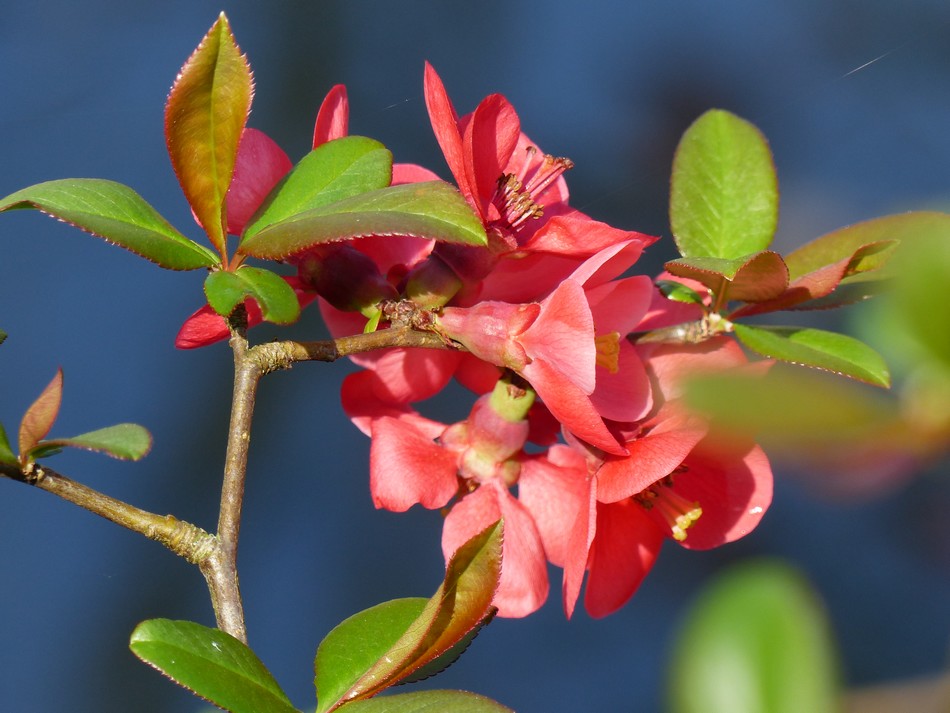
x: 753, y: 278
x: 127, y: 441
x: 723, y: 193
x: 349, y: 665
x: 39, y: 417
x: 333, y: 171
x: 277, y: 299
x: 756, y: 639
x: 3, y: 336
x: 116, y: 213
x: 432, y: 209
x: 844, y: 243
x: 210, y: 663
x: 7, y: 456
x: 817, y: 348
x: 205, y: 115
x: 427, y: 702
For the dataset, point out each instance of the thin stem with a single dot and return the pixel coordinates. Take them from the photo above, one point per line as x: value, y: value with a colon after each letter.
x: 184, y: 539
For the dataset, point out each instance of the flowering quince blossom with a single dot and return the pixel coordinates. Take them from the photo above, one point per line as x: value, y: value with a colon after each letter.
x: 414, y: 460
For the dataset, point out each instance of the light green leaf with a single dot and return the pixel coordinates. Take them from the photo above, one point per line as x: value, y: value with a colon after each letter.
x: 756, y: 639
x: 432, y: 209
x: 205, y: 115
x: 350, y: 666
x: 210, y: 663
x: 723, y: 192
x: 678, y: 292
x: 817, y: 348
x: 127, y: 441
x: 277, y: 300
x: 427, y: 702
x: 7, y: 456
x: 333, y: 171
x: 116, y: 213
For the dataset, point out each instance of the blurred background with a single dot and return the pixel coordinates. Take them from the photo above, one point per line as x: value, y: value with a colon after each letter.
x: 854, y: 97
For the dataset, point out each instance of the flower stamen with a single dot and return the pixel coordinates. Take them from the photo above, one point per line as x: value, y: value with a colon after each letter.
x: 678, y: 512
x: 608, y: 351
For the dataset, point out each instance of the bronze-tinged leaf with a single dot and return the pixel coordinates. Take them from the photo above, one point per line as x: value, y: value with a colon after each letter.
x: 39, y: 417
x: 205, y: 115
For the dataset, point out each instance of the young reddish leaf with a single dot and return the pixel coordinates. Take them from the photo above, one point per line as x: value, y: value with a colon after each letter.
x: 843, y: 244
x: 277, y: 299
x: 428, y: 702
x: 753, y: 278
x: 7, y: 456
x: 432, y: 209
x: 39, y: 417
x: 118, y: 214
x: 461, y: 604
x: 723, y: 192
x: 331, y: 172
x: 127, y: 441
x: 817, y: 348
x: 205, y: 114
x: 210, y: 663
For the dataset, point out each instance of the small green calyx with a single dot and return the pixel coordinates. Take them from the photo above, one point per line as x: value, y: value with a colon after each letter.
x: 511, y: 401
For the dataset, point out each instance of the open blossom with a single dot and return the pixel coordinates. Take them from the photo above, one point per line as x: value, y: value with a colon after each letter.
x: 475, y: 463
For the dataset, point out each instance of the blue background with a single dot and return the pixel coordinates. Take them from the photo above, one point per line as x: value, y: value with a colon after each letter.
x: 83, y: 90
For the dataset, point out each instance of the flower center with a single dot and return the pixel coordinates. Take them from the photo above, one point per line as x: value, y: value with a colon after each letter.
x: 678, y: 512
x: 608, y: 351
x: 517, y: 192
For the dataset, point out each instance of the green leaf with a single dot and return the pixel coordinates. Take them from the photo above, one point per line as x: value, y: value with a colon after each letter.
x: 3, y: 336
x: 817, y: 348
x: 277, y: 300
x: 210, y: 663
x: 678, y: 292
x: 349, y: 665
x: 723, y: 192
x: 127, y: 441
x: 756, y: 639
x: 844, y: 243
x: 333, y: 171
x: 428, y: 702
x: 116, y: 213
x: 7, y: 456
x: 205, y: 115
x: 752, y: 278
x: 39, y: 417
x: 432, y: 209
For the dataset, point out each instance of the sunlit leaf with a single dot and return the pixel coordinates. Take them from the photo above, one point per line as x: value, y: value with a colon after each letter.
x: 752, y: 278
x: 210, y: 663
x: 723, y: 192
x: 116, y: 213
x: 432, y: 209
x: 817, y: 348
x: 127, y: 441
x: 427, y: 702
x: 39, y: 417
x: 333, y: 171
x: 678, y: 292
x: 205, y: 115
x: 756, y: 639
x: 277, y: 299
x: 349, y: 665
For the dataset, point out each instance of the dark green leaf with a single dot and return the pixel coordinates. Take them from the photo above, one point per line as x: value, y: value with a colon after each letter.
x: 3, y: 336
x: 39, y: 417
x: 757, y: 639
x: 333, y: 171
x: 433, y: 210
x: 205, y: 115
x: 752, y: 278
x: 118, y: 214
x: 427, y: 702
x: 278, y: 302
x: 461, y: 604
x: 817, y: 348
x: 212, y: 664
x: 7, y: 456
x: 678, y: 292
x: 127, y: 441
x: 723, y: 192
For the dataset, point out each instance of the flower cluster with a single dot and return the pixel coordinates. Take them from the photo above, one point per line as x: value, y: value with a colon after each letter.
x: 577, y: 437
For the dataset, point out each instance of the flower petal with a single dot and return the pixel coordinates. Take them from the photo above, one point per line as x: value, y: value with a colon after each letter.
x: 333, y: 117
x: 259, y: 166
